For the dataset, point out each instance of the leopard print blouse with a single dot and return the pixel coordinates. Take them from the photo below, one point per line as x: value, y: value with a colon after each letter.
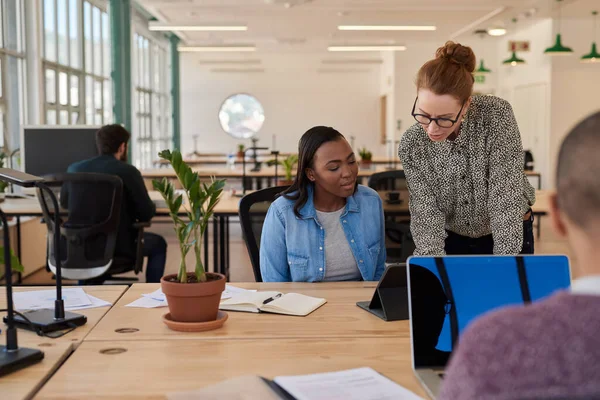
x: 474, y: 185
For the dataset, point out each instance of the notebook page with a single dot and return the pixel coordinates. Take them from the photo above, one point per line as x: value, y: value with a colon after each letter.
x: 294, y: 304
x: 254, y: 299
x: 352, y: 384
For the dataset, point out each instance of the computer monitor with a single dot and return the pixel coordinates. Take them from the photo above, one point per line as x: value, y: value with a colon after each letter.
x: 51, y: 149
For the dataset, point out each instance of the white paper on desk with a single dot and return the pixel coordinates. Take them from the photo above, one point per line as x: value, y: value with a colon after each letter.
x: 96, y: 302
x: 44, y: 299
x: 158, y: 295
x: 353, y: 384
x: 147, y: 302
x: 231, y: 290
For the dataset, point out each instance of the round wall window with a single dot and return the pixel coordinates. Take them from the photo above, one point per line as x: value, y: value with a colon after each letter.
x: 241, y: 116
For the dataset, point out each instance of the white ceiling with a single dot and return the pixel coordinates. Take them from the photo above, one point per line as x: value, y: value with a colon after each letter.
x: 311, y: 25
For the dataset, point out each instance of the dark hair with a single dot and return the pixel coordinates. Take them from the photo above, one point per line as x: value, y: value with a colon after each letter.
x: 307, y: 147
x: 450, y: 72
x: 110, y: 137
x: 577, y: 173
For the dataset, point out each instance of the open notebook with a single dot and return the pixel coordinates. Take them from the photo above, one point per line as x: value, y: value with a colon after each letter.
x: 273, y: 302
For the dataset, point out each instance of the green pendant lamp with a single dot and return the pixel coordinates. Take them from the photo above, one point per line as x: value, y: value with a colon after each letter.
x: 482, y: 70
x: 594, y: 56
x: 513, y: 60
x: 558, y: 49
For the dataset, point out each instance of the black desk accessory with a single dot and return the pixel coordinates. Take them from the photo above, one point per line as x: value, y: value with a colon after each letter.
x: 390, y: 300
x: 276, y: 154
x: 45, y: 320
x: 13, y: 357
x: 255, y: 169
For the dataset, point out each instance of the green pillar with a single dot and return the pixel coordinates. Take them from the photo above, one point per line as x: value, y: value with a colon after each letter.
x: 175, y: 92
x: 120, y: 24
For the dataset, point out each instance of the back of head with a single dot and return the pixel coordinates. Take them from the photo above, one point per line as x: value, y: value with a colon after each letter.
x: 577, y: 174
x: 307, y: 147
x: 450, y: 72
x: 110, y: 137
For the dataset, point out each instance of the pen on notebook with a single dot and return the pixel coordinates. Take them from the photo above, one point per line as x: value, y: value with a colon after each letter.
x: 270, y: 299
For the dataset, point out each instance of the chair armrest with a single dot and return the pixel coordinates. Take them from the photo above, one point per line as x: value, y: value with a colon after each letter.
x: 142, y: 225
x: 139, y: 251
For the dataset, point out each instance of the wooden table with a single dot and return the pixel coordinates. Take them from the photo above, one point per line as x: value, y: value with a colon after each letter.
x: 339, y: 317
x: 27, y: 338
x: 25, y: 383
x: 151, y: 369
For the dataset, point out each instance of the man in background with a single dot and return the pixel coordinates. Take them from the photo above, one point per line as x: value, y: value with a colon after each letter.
x: 111, y: 141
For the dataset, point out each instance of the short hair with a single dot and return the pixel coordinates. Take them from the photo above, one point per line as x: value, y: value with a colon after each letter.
x: 110, y: 137
x: 578, y: 172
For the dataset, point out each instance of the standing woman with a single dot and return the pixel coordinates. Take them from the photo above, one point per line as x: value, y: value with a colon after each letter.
x: 463, y: 161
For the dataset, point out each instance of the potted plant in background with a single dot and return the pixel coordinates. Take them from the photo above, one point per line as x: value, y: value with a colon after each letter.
x: 3, y: 184
x: 240, y: 152
x: 366, y: 157
x: 288, y: 165
x: 193, y: 297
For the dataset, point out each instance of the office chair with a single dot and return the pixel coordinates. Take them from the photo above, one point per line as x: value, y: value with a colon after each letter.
x: 90, y: 215
x: 252, y: 212
x: 397, y: 233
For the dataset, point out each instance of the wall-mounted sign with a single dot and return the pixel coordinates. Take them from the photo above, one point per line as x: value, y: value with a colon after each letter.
x: 518, y: 45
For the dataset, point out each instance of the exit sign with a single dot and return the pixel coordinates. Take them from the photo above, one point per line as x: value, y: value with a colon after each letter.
x: 522, y: 45
x: 479, y: 78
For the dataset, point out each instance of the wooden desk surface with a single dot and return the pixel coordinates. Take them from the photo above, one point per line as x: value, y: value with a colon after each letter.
x: 151, y: 369
x: 27, y: 338
x: 25, y: 383
x: 340, y: 317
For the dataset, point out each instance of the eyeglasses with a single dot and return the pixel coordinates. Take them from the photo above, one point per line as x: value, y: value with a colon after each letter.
x: 441, y: 122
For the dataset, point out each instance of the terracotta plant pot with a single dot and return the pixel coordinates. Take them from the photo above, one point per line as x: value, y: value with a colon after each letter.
x: 193, y: 302
x: 240, y: 154
x: 284, y: 182
x: 365, y: 163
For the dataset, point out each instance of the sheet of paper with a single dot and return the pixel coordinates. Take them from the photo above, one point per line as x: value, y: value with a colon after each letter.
x: 158, y: 295
x: 147, y: 302
x: 96, y: 302
x: 235, y: 290
x: 353, y: 384
x: 44, y: 299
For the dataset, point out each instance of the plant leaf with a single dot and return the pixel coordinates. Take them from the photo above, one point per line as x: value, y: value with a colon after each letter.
x: 15, y: 264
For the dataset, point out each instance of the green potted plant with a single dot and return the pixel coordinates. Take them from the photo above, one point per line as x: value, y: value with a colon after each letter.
x: 240, y: 152
x: 366, y: 157
x: 193, y: 297
x: 3, y: 184
x: 288, y: 165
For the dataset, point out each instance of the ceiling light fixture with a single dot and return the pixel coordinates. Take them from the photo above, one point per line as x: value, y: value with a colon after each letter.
x: 558, y: 49
x: 496, y: 31
x: 200, y: 49
x: 366, y: 48
x: 161, y: 27
x: 387, y: 28
x: 593, y: 57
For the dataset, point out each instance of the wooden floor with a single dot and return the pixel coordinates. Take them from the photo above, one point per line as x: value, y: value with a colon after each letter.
x: 241, y: 269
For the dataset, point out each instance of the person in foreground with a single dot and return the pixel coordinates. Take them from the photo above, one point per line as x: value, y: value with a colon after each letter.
x: 549, y: 349
x: 324, y: 227
x: 464, y: 165
x: 111, y: 141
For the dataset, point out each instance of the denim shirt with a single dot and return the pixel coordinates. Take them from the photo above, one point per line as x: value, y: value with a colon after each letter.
x: 292, y: 249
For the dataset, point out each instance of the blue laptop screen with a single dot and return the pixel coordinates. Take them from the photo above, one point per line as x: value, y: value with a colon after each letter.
x: 448, y: 293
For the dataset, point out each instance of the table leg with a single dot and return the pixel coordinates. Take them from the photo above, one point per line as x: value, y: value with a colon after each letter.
x: 216, y: 267
x: 206, y: 249
x: 19, y: 274
x: 227, y: 245
x: 222, y: 268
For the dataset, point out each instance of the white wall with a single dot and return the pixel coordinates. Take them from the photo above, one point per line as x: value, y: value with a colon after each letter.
x: 295, y: 97
x: 575, y: 86
x: 529, y: 89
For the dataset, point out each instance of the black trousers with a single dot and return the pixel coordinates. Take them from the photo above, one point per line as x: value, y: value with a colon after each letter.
x: 463, y: 245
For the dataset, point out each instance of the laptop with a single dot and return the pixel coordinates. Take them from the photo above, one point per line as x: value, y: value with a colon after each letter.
x: 447, y: 293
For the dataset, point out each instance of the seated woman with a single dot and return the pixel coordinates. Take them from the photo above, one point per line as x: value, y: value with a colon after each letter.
x: 324, y: 227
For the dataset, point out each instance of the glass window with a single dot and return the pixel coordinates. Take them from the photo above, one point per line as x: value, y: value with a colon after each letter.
x: 63, y: 38
x: 63, y: 88
x: 97, y: 29
x: 74, y: 91
x: 98, y: 95
x: 63, y: 117
x: 74, y: 118
x: 106, y: 44
x: 74, y: 34
x: 89, y: 104
x: 87, y: 35
x: 49, y: 30
x: 50, y: 86
x: 51, y: 117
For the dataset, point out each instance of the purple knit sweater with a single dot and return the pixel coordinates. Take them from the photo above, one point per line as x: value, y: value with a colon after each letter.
x: 547, y: 350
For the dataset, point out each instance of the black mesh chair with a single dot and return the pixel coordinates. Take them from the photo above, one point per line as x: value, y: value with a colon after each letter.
x: 399, y: 241
x: 90, y: 212
x: 252, y: 212
x: 388, y: 180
